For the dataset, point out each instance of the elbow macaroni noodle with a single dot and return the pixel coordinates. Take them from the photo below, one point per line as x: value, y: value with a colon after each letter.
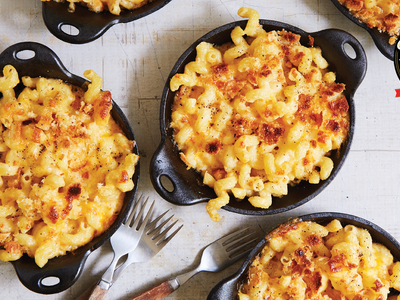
x: 114, y: 6
x: 65, y: 166
x: 258, y: 114
x: 305, y: 260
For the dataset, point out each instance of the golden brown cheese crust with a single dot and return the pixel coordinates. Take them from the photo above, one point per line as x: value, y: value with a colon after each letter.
x: 382, y: 14
x: 65, y: 166
x: 114, y: 6
x: 257, y: 122
x: 305, y: 260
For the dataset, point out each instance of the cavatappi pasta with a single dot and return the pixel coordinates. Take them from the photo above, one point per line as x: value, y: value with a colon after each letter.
x: 65, y: 166
x: 114, y: 6
x: 382, y: 14
x: 305, y: 260
x: 258, y: 114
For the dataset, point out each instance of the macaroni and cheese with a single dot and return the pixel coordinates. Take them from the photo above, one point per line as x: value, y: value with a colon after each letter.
x: 65, y: 166
x: 258, y: 114
x: 305, y: 260
x: 114, y: 6
x: 382, y: 14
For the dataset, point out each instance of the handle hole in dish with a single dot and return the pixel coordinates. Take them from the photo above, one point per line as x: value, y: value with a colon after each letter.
x: 166, y: 183
x: 349, y: 50
x: 69, y: 29
x: 50, y: 281
x: 25, y: 54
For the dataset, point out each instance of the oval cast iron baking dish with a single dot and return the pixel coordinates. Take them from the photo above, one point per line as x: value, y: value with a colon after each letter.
x: 227, y: 288
x: 187, y: 184
x: 90, y: 25
x: 67, y: 268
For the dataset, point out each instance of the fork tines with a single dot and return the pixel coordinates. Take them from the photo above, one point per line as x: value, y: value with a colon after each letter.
x: 156, y: 232
x: 238, y: 243
x: 137, y: 218
x: 159, y: 235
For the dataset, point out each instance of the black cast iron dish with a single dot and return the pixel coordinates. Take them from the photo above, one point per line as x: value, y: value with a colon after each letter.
x: 90, y: 25
x: 397, y: 60
x: 227, y: 288
x: 67, y: 268
x: 381, y: 39
x: 187, y: 184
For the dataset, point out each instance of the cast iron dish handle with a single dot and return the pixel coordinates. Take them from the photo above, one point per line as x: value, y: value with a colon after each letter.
x: 60, y: 279
x: 181, y: 192
x: 356, y: 66
x: 88, y: 29
x: 39, y: 56
x: 88, y: 25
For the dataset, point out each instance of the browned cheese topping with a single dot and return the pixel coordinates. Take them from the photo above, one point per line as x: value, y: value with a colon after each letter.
x: 382, y: 14
x: 304, y: 260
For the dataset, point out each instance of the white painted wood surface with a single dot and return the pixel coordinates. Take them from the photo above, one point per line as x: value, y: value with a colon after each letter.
x: 135, y: 59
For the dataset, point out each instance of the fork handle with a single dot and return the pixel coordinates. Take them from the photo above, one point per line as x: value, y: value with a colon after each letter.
x: 93, y: 293
x: 157, y: 292
x: 98, y: 293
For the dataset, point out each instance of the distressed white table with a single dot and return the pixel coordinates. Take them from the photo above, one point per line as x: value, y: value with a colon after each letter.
x: 135, y: 59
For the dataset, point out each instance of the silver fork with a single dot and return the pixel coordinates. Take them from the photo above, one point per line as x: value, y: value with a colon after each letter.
x: 215, y: 257
x: 123, y: 241
x: 152, y: 241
